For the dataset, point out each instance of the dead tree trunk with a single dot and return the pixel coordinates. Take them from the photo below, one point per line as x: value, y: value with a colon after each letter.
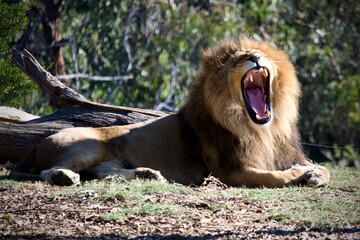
x: 51, y: 28
x: 19, y: 137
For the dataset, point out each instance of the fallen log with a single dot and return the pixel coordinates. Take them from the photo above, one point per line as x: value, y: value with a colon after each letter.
x: 21, y: 133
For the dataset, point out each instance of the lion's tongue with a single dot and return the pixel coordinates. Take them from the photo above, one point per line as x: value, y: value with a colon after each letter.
x: 256, y: 101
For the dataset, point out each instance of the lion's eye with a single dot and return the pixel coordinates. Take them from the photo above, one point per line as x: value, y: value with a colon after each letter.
x: 239, y: 54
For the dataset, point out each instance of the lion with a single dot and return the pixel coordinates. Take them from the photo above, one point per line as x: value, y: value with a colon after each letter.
x: 239, y: 125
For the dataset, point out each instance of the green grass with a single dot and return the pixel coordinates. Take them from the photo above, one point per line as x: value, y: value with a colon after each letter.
x: 133, y: 197
x: 334, y: 205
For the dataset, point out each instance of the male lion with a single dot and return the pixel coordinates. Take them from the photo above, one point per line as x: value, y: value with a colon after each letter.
x: 239, y: 125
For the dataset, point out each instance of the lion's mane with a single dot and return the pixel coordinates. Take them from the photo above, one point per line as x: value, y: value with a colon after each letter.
x: 217, y: 112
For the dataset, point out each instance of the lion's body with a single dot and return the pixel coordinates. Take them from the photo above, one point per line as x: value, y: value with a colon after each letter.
x: 240, y: 128
x: 164, y: 145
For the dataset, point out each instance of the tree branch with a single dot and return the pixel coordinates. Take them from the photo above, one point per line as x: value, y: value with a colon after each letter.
x: 128, y: 51
x: 96, y: 78
x: 61, y: 95
x: 132, y: 13
x: 174, y: 72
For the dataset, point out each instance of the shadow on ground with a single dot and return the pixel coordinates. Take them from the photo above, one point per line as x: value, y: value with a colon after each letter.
x: 327, y: 231
x: 341, y: 233
x: 114, y: 236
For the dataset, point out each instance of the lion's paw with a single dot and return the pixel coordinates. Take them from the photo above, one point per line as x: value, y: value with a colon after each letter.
x: 61, y: 177
x: 308, y: 175
x: 317, y: 176
x: 149, y: 174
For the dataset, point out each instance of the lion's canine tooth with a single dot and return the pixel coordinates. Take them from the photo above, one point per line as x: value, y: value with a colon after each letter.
x: 257, y: 117
x: 251, y: 78
x: 267, y: 114
x: 266, y: 74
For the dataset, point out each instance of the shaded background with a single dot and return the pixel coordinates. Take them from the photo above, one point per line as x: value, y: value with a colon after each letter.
x: 144, y: 54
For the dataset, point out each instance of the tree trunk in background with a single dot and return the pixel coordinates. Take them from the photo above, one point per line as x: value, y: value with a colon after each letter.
x: 51, y: 27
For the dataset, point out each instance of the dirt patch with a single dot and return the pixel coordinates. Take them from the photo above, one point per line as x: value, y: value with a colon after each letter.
x: 34, y: 212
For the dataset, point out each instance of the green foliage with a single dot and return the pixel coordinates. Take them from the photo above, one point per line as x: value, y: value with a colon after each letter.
x: 12, y: 19
x: 321, y: 37
x: 347, y: 157
x: 13, y: 83
x: 344, y: 156
x: 183, y: 31
x: 326, y: 57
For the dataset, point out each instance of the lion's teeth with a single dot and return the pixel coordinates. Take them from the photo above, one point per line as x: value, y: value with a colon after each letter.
x: 254, y: 110
x: 267, y: 114
x: 266, y: 74
x: 251, y: 78
x: 257, y: 117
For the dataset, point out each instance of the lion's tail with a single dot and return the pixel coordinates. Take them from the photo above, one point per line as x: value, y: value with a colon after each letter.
x: 22, y: 170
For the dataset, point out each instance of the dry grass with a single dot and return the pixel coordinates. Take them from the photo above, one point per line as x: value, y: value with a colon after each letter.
x: 141, y: 208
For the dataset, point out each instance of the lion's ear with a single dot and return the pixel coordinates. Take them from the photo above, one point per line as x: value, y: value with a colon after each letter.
x: 235, y: 57
x: 208, y: 60
x: 238, y: 54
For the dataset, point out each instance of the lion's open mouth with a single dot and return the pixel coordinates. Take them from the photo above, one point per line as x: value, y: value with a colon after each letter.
x: 256, y: 92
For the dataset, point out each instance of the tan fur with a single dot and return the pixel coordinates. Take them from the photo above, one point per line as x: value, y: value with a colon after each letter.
x: 212, y: 133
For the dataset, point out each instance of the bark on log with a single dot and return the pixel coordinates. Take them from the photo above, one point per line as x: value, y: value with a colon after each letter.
x: 18, y: 138
x: 8, y: 114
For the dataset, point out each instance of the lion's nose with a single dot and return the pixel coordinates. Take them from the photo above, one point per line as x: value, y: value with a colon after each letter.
x: 254, y: 58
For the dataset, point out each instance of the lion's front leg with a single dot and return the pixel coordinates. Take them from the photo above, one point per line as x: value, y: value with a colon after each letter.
x: 65, y: 177
x: 310, y: 175
x: 114, y: 168
x: 60, y: 176
x: 131, y: 174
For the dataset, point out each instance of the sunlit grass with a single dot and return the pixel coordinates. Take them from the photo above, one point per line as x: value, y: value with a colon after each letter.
x: 334, y: 205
